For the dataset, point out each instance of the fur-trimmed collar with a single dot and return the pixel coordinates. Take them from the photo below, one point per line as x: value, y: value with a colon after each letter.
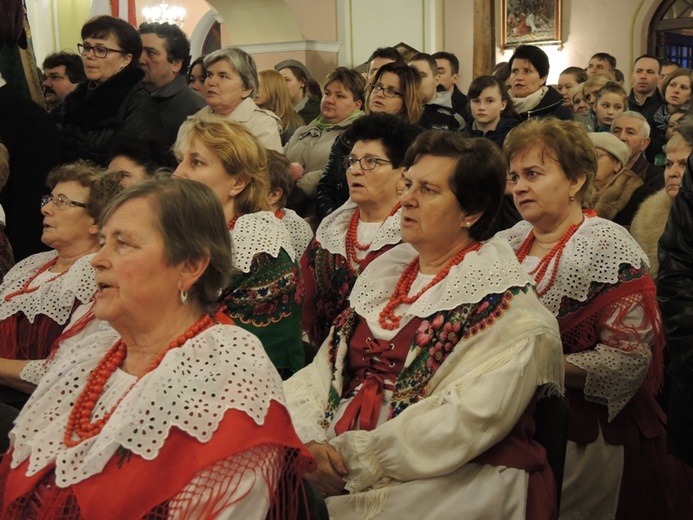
x: 613, y: 197
x: 85, y: 105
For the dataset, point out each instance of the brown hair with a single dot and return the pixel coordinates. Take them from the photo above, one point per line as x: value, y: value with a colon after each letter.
x: 191, y: 221
x: 478, y: 180
x: 239, y: 151
x: 566, y: 142
x: 280, y: 178
x: 409, y: 85
x: 90, y: 176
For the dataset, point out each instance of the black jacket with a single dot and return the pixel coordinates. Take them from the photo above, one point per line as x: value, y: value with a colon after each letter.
x: 91, y: 120
x: 675, y: 296
x: 332, y: 188
x: 460, y: 104
x: 551, y: 105
x: 648, y: 109
x: 498, y: 135
x: 31, y: 138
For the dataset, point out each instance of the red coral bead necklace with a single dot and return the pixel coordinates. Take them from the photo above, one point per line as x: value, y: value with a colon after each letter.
x: 388, y: 319
x: 556, y: 252
x: 351, y: 241
x: 79, y: 425
x: 27, y: 289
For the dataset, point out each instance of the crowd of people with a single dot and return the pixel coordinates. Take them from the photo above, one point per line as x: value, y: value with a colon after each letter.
x: 359, y: 294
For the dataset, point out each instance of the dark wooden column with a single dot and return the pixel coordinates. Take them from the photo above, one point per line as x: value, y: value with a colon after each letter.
x: 484, y: 37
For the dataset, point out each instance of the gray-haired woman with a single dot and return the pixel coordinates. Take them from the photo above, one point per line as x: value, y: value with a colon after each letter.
x: 229, y: 90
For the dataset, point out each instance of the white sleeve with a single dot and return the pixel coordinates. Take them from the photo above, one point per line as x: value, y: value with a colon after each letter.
x: 448, y: 429
x: 618, y: 365
x: 231, y: 488
x: 306, y: 397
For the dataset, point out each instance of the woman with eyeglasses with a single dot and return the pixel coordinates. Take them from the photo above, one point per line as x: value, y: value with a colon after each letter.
x: 111, y: 105
x: 41, y: 295
x: 395, y: 90
x: 420, y: 402
x: 360, y: 230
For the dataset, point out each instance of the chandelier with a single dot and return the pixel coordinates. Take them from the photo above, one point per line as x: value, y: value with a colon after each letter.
x: 164, y: 13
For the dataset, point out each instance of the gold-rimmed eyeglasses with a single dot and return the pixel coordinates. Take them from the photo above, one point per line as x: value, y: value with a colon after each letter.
x: 60, y: 201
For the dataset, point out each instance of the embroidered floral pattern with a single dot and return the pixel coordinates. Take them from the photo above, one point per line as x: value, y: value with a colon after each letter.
x: 264, y: 302
x: 434, y: 341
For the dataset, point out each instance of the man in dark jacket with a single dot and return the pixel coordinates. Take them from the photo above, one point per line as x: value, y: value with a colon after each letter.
x: 448, y: 76
x: 165, y: 59
x: 438, y: 112
x: 644, y: 97
x: 675, y: 297
x: 62, y: 72
x: 33, y: 144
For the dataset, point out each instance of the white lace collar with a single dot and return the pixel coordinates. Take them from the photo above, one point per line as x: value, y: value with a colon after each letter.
x: 192, y: 388
x: 593, y: 254
x: 255, y: 233
x: 54, y: 299
x: 299, y: 230
x: 491, y: 270
x: 331, y: 233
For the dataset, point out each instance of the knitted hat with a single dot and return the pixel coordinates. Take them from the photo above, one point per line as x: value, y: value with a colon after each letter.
x: 610, y: 143
x: 293, y: 63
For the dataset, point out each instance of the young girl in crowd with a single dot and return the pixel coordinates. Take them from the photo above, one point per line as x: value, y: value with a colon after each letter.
x: 492, y: 109
x: 568, y: 80
x: 610, y: 100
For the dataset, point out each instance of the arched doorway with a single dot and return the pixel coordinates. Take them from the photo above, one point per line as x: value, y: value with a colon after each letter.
x: 671, y: 32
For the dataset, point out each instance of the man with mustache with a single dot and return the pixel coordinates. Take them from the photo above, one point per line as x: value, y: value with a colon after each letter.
x: 62, y: 71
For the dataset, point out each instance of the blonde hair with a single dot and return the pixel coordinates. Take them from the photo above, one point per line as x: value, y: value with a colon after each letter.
x: 240, y: 153
x: 676, y: 143
x: 597, y: 80
x: 278, y: 99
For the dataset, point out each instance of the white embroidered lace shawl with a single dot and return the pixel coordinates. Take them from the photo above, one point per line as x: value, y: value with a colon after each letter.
x: 222, y: 368
x: 455, y: 422
x: 54, y: 299
x: 618, y: 364
x: 333, y: 229
x: 255, y: 233
x: 492, y: 269
x: 593, y: 254
x: 299, y: 230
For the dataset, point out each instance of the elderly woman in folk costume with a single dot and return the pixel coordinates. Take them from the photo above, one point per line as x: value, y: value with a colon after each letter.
x: 47, y: 296
x: 362, y: 228
x: 164, y: 256
x: 264, y: 296
x: 420, y: 401
x: 592, y: 276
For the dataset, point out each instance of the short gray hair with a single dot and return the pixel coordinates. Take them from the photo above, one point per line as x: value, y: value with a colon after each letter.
x: 242, y: 62
x: 637, y: 115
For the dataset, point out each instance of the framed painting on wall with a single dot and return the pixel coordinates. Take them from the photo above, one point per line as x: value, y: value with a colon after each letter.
x: 537, y: 22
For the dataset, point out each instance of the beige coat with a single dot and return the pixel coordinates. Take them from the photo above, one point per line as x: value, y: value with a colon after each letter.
x: 613, y: 197
x: 648, y: 226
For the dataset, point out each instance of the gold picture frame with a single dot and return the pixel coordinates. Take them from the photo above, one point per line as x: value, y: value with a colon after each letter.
x: 535, y: 22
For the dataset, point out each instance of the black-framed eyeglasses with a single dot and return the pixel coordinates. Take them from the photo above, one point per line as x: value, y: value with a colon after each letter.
x: 60, y: 201
x: 367, y: 163
x: 99, y: 50
x: 387, y: 91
